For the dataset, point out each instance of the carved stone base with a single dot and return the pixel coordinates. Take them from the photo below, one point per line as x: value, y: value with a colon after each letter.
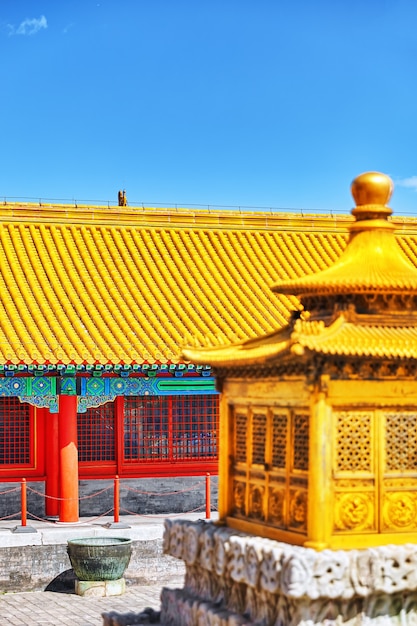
x: 235, y: 579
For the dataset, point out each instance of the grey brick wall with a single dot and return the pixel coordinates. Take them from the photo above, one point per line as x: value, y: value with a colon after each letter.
x: 35, y: 568
x: 145, y: 496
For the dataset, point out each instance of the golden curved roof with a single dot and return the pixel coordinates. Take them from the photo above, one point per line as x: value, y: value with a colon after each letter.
x: 373, y: 261
x: 342, y: 338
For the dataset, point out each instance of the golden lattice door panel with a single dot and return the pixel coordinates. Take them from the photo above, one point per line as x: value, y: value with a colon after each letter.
x: 355, y: 472
x: 270, y: 452
x: 375, y: 471
x: 399, y: 472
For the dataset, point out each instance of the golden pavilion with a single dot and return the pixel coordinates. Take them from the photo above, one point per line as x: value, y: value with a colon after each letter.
x: 318, y: 417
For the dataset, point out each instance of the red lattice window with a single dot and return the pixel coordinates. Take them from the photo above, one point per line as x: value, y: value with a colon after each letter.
x: 146, y: 428
x: 167, y: 428
x: 96, y: 434
x: 194, y: 427
x: 15, y: 429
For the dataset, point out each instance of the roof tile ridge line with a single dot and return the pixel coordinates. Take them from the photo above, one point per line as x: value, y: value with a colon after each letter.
x: 182, y: 299
x: 258, y: 242
x: 54, y: 254
x: 46, y: 293
x: 70, y: 294
x: 18, y: 330
x: 273, y: 260
x: 134, y: 289
x: 405, y: 243
x: 173, y: 305
x: 19, y: 319
x: 299, y: 248
x: 30, y: 305
x: 133, y: 325
x: 291, y: 261
x: 251, y: 268
x: 207, y: 290
x: 97, y: 290
x: 230, y: 281
x: 330, y: 249
x: 116, y: 331
x: 150, y: 284
x: 192, y: 285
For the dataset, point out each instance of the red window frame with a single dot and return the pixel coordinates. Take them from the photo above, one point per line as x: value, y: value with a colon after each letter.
x: 159, y: 436
x: 22, y: 445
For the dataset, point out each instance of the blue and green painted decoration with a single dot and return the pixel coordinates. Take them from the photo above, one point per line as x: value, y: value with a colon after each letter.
x: 43, y: 389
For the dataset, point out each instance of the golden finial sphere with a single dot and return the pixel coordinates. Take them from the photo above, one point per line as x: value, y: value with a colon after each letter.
x: 372, y: 188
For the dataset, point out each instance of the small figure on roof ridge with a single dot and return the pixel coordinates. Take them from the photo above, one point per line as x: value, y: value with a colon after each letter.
x: 122, y: 198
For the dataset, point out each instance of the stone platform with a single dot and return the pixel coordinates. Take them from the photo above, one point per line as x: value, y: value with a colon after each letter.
x: 233, y: 578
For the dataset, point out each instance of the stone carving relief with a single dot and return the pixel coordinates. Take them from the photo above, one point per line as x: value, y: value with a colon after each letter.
x: 233, y: 578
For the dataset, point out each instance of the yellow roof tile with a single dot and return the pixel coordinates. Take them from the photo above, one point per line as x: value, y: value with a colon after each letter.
x: 122, y: 284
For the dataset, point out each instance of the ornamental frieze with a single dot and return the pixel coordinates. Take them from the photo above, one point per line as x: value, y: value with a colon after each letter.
x: 44, y: 391
x: 229, y: 574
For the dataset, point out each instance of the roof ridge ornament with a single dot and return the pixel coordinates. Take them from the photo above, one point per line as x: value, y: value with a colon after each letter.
x: 371, y: 192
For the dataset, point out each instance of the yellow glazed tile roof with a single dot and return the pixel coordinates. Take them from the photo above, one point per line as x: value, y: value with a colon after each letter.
x: 122, y: 285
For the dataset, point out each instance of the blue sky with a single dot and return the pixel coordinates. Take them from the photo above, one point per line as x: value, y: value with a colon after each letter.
x: 269, y: 103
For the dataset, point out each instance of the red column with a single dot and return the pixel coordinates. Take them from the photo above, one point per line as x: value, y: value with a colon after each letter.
x: 51, y: 463
x: 68, y: 459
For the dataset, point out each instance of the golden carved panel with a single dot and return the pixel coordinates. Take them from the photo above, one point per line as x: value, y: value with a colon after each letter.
x: 348, y: 484
x: 276, y: 507
x: 399, y: 511
x: 354, y: 511
x: 256, y: 502
x: 298, y: 510
x: 239, y: 497
x: 392, y: 484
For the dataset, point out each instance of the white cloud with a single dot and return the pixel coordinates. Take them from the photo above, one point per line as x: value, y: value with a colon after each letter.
x: 68, y: 27
x: 29, y: 26
x: 410, y: 182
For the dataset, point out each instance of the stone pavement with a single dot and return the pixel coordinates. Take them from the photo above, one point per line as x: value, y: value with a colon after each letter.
x: 43, y: 608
